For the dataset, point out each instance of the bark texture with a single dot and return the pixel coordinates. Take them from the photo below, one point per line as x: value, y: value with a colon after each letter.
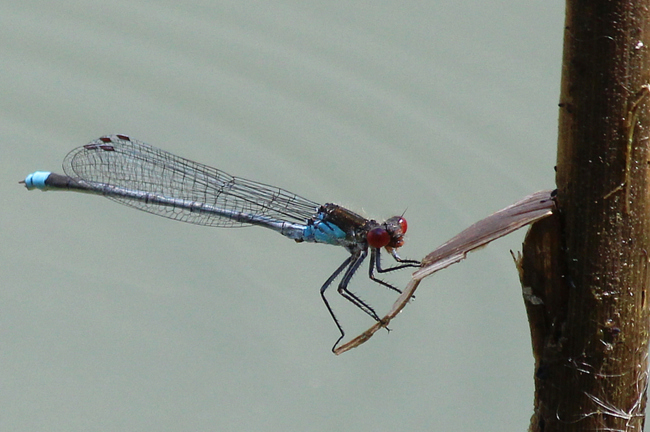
x: 585, y: 270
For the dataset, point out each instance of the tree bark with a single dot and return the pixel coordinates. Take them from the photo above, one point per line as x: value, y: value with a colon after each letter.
x: 585, y: 270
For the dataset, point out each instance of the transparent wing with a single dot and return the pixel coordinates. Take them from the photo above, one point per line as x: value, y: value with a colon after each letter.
x: 131, y: 164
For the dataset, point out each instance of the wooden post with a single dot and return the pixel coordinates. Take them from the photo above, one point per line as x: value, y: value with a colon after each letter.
x: 585, y: 271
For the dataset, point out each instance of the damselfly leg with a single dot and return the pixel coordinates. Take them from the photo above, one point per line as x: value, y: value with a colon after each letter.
x: 351, y: 265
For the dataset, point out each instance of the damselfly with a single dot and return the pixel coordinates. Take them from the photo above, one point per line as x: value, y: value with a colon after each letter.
x: 141, y: 176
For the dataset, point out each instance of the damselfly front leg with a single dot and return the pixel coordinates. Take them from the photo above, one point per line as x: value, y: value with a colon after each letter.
x: 375, y: 264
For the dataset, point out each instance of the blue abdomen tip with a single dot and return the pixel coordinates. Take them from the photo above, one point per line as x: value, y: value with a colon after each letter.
x: 36, y: 180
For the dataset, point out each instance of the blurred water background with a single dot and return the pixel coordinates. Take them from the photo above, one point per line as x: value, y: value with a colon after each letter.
x: 117, y: 320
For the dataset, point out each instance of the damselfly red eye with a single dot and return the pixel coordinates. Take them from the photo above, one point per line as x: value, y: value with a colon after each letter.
x: 378, y: 237
x: 402, y: 224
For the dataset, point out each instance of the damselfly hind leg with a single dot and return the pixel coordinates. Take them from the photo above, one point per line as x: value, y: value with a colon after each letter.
x: 326, y: 285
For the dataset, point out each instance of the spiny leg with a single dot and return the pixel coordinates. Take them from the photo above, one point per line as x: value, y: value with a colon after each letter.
x: 350, y: 296
x: 375, y: 263
x: 326, y: 285
x: 352, y: 263
x: 404, y: 262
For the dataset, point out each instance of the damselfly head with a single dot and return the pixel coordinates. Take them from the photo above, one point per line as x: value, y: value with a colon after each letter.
x: 390, y: 234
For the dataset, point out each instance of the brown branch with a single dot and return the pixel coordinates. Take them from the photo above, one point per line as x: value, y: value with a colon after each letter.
x: 585, y: 271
